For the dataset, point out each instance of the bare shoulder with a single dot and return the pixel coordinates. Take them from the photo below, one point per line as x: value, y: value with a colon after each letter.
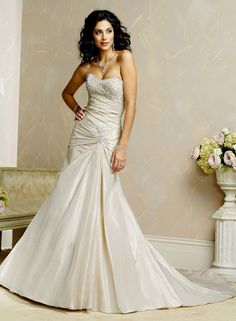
x: 84, y: 65
x: 125, y: 55
x: 82, y: 69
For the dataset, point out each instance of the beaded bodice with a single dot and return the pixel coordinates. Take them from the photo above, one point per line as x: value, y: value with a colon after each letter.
x: 111, y: 88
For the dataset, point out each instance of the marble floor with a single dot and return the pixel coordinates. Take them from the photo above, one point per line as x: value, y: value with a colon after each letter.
x: 16, y: 308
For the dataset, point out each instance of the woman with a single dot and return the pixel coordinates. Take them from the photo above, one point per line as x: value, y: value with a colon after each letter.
x: 111, y: 64
x: 84, y: 248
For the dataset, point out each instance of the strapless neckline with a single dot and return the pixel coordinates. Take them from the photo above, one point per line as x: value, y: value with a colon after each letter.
x: 113, y: 77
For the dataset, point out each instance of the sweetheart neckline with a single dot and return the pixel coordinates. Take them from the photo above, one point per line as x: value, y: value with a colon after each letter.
x: 113, y: 77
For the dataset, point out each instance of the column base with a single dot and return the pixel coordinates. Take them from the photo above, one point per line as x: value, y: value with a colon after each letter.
x: 228, y: 273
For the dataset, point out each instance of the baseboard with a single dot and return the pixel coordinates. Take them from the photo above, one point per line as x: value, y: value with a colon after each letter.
x: 180, y: 252
x: 184, y: 253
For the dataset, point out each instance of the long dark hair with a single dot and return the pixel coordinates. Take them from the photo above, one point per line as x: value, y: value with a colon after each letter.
x: 86, y: 46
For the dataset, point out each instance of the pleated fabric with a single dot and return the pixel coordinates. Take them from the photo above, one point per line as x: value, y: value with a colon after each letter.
x: 84, y: 248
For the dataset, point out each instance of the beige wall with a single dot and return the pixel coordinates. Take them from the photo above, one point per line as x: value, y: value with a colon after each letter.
x: 185, y: 56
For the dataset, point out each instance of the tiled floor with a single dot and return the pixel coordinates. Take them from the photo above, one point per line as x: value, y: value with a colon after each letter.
x: 16, y: 308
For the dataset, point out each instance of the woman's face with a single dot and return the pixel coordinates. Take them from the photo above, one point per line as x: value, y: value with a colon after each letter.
x: 103, y: 35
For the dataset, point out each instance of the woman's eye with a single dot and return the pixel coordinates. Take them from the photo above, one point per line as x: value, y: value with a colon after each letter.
x: 99, y: 31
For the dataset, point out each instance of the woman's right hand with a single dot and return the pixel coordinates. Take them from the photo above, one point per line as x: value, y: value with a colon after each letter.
x: 79, y: 115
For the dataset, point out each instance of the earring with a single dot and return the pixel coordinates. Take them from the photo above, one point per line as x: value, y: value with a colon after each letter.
x: 113, y: 46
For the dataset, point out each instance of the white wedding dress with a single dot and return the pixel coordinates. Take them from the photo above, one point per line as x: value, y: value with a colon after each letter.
x: 84, y: 248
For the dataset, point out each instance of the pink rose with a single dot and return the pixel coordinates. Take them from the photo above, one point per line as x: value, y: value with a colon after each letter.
x: 219, y: 138
x: 195, y: 152
x: 214, y: 161
x: 229, y: 157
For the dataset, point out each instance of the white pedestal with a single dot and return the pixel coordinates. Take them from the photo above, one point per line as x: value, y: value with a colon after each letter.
x: 225, y: 227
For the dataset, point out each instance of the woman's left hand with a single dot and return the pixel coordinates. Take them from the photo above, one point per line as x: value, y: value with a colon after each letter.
x: 118, y: 160
x: 79, y: 115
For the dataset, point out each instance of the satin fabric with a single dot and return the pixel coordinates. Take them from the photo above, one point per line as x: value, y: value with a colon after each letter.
x: 84, y: 248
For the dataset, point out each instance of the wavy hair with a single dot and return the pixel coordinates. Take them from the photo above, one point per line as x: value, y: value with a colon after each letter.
x: 86, y: 46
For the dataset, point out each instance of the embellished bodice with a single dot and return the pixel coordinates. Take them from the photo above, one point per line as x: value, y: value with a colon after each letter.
x: 105, y: 100
x: 110, y: 88
x: 103, y: 113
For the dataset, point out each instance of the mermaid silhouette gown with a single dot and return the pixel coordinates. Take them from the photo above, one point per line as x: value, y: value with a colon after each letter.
x: 84, y: 248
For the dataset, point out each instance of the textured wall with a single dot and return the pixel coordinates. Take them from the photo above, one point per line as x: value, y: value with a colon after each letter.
x: 185, y: 52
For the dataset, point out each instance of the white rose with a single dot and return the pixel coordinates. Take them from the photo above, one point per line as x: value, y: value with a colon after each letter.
x: 214, y: 161
x: 225, y: 131
x: 217, y: 151
x: 195, y: 152
x: 219, y: 138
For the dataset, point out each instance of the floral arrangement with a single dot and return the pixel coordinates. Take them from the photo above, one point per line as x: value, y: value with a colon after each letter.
x: 216, y: 152
x: 4, y: 199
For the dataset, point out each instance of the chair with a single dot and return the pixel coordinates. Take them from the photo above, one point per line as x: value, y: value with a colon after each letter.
x: 27, y: 189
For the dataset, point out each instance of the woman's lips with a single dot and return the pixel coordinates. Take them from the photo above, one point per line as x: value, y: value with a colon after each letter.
x: 104, y: 43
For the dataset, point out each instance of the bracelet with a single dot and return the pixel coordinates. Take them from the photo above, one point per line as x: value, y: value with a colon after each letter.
x: 75, y: 108
x: 123, y: 149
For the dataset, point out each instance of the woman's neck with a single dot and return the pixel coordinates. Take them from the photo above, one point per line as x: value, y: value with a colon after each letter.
x: 104, y: 55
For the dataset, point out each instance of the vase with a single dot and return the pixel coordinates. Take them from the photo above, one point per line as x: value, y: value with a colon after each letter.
x: 2, y: 206
x: 225, y: 226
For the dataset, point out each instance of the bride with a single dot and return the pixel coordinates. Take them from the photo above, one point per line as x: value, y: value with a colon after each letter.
x: 84, y: 248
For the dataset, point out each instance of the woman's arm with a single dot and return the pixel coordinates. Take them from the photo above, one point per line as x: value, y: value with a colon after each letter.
x: 129, y: 76
x: 77, y: 79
